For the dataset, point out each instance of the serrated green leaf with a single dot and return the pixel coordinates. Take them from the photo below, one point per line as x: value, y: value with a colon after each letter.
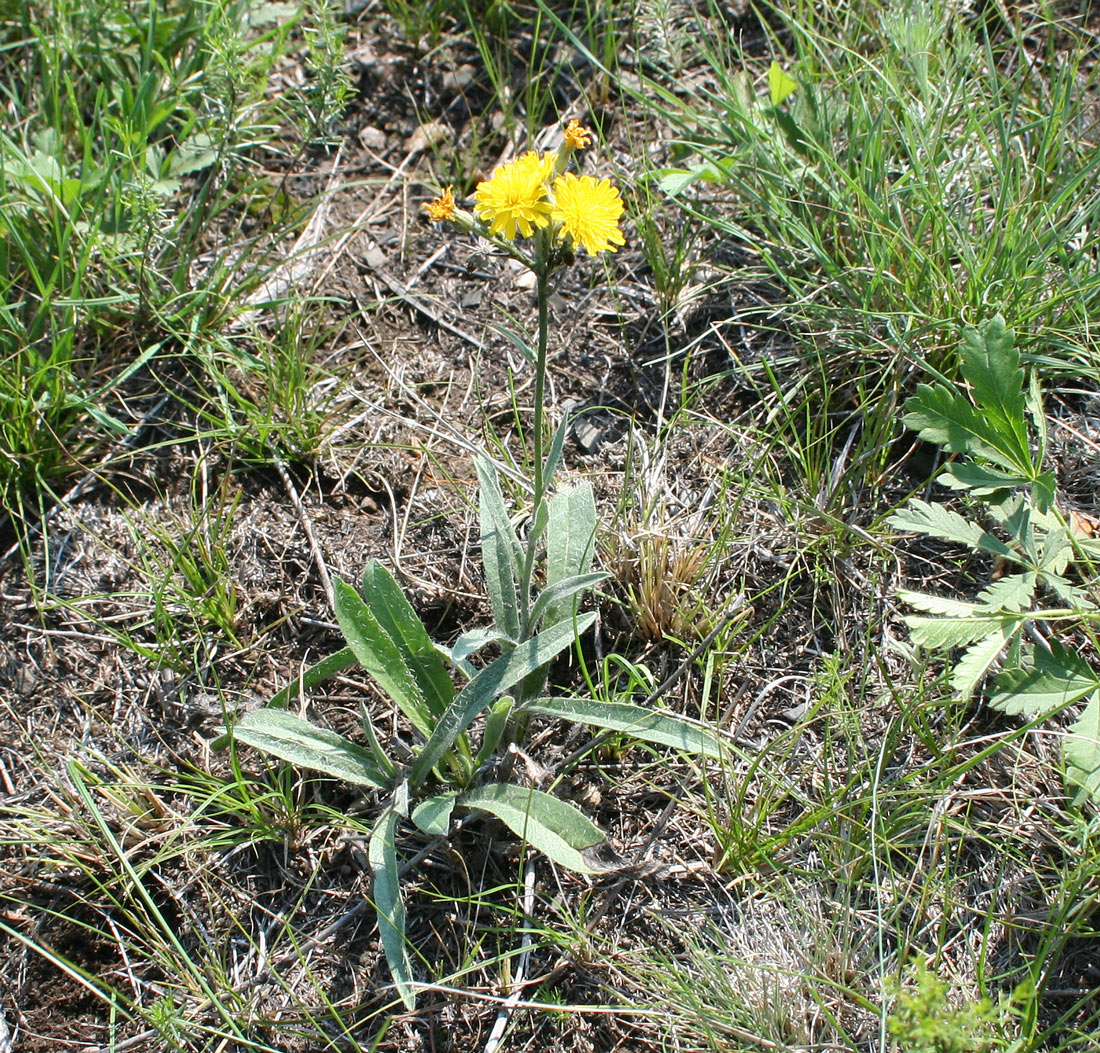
x: 1081, y: 750
x: 934, y: 520
x: 501, y: 553
x: 991, y: 364
x: 557, y: 829
x: 648, y: 725
x: 942, y: 605
x: 509, y: 669
x: 388, y: 905
x: 433, y: 816
x: 936, y: 634
x: 977, y: 659
x: 980, y: 479
x: 1057, y: 679
x: 941, y: 415
x: 298, y: 742
x: 380, y: 656
x: 397, y: 618
x: 1055, y: 552
x: 1013, y: 592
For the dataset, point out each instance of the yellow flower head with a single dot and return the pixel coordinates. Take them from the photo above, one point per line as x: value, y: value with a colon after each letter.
x: 588, y: 211
x: 577, y: 137
x: 443, y: 207
x: 514, y: 198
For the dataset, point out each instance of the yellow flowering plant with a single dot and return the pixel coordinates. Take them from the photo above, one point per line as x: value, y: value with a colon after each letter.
x: 536, y: 210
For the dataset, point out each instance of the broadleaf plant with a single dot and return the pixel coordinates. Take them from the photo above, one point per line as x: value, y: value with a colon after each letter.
x: 995, y: 427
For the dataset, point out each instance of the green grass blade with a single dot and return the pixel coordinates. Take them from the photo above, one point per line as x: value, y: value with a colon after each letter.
x: 322, y: 670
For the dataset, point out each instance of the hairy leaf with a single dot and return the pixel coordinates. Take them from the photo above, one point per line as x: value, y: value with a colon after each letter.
x: 501, y: 553
x: 433, y: 815
x: 976, y: 660
x: 379, y: 655
x: 945, y: 605
x: 935, y: 634
x: 570, y: 546
x: 298, y: 742
x: 557, y: 829
x: 663, y: 729
x: 489, y: 684
x: 1056, y: 679
x: 419, y: 655
x: 382, y: 856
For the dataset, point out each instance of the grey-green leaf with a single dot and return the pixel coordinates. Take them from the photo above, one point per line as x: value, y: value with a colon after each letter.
x: 557, y: 829
x: 490, y: 684
x: 401, y: 623
x: 648, y: 725
x: 1013, y: 592
x: 924, y: 517
x: 934, y: 634
x: 297, y: 741
x: 433, y: 816
x: 501, y: 554
x: 976, y: 661
x: 379, y: 655
x: 382, y: 856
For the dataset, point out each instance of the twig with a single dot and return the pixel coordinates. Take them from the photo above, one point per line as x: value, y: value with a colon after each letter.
x: 307, y: 527
x: 504, y: 1014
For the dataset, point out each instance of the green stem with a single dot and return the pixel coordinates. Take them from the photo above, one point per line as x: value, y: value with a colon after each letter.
x: 542, y: 275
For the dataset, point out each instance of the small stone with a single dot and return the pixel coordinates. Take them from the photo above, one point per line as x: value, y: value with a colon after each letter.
x: 372, y: 139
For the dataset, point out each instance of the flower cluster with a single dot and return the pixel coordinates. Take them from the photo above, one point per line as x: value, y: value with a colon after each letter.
x: 535, y: 192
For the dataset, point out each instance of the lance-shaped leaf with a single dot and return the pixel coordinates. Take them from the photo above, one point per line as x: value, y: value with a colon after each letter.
x: 433, y: 815
x: 647, y: 725
x: 376, y: 651
x: 382, y: 857
x: 501, y: 553
x: 570, y: 545
x: 509, y: 669
x: 297, y: 741
x: 401, y: 623
x: 556, y: 601
x: 557, y: 829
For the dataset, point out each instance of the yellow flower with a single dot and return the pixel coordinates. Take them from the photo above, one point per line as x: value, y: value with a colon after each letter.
x: 514, y: 198
x: 588, y: 211
x: 576, y: 136
x: 443, y: 207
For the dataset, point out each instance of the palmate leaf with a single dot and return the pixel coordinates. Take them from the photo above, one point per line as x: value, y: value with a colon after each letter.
x: 924, y: 517
x: 557, y: 829
x: 1081, y: 750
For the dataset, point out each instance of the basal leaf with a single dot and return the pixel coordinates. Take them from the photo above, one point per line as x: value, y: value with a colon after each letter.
x: 555, y: 603
x: 419, y: 654
x: 941, y: 415
x: 557, y: 829
x: 433, y: 816
x: 1081, y: 750
x: 570, y: 545
x: 936, y: 634
x: 1057, y: 678
x: 379, y: 655
x: 382, y: 856
x: 509, y: 669
x: 648, y: 725
x: 781, y: 84
x: 298, y: 742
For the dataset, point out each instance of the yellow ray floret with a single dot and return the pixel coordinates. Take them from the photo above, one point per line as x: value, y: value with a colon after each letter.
x: 577, y: 137
x: 443, y: 207
x: 588, y: 211
x: 514, y: 198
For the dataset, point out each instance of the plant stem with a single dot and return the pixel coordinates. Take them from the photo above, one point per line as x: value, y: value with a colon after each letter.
x: 542, y: 275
